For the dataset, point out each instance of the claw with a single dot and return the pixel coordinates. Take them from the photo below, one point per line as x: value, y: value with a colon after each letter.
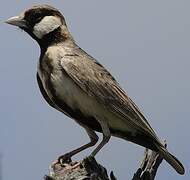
x: 66, y: 158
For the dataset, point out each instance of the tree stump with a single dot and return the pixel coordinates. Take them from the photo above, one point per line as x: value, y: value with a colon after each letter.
x: 89, y: 169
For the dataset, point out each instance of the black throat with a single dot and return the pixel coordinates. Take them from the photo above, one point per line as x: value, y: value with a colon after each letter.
x: 52, y: 38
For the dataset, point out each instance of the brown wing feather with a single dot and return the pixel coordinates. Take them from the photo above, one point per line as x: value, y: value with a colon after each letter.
x: 96, y: 81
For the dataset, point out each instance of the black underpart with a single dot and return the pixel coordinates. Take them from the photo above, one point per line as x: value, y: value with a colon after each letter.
x: 44, y: 94
x: 139, y: 138
x: 76, y: 114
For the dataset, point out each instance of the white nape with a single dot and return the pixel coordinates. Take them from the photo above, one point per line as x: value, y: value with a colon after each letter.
x: 46, y: 25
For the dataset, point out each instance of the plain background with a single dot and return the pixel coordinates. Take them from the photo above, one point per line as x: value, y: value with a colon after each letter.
x: 145, y: 44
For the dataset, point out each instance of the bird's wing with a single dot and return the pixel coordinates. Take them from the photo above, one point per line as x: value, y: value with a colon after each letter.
x: 96, y: 81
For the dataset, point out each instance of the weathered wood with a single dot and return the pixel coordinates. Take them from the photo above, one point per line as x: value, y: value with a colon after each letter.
x: 89, y: 169
x: 149, y: 166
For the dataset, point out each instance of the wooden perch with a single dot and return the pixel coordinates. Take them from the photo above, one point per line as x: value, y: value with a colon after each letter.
x: 89, y: 169
x: 149, y: 166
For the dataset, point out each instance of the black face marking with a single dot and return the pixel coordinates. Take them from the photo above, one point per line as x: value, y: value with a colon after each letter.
x: 37, y: 13
x: 34, y: 15
x: 51, y: 38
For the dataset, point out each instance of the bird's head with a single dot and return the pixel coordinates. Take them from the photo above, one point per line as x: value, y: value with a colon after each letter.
x: 44, y: 23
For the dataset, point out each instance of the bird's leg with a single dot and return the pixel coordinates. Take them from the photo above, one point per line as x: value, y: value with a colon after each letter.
x: 106, y: 138
x: 93, y: 140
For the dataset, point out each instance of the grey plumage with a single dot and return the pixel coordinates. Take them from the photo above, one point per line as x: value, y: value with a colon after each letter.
x: 74, y: 83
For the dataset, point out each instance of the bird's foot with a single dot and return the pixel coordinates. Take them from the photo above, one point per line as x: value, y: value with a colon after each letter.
x: 66, y: 158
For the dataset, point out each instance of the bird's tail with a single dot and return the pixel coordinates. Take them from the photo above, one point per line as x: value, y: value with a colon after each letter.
x: 172, y: 160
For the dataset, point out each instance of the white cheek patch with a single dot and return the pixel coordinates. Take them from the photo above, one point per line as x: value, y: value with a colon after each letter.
x: 46, y: 25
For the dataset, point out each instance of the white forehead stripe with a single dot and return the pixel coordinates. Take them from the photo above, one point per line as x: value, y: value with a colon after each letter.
x: 46, y: 25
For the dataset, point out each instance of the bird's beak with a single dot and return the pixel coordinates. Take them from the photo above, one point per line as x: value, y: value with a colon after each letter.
x: 17, y: 21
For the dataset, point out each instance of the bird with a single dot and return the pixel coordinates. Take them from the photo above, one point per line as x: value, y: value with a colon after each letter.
x: 76, y: 84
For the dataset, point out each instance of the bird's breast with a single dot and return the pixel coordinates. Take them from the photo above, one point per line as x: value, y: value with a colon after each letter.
x: 58, y: 85
x: 68, y: 91
x: 69, y: 97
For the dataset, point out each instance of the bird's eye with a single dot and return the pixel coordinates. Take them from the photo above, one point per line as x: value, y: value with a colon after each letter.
x: 37, y: 17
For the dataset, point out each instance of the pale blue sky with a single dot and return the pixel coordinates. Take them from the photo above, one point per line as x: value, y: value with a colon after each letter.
x: 145, y: 45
